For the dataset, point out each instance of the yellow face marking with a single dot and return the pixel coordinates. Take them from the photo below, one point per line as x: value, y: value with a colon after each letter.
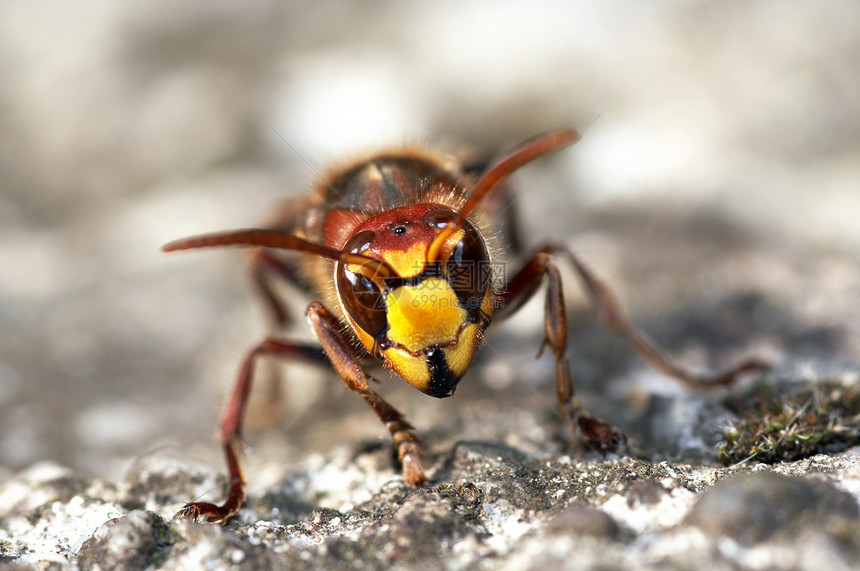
x: 413, y: 369
x: 459, y: 357
x: 410, y: 262
x: 365, y: 339
x: 406, y: 263
x: 423, y: 315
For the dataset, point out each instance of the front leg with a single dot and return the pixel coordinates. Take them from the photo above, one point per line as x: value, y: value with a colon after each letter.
x: 336, y: 351
x: 520, y: 288
x: 338, y: 348
x: 265, y: 269
x: 233, y: 420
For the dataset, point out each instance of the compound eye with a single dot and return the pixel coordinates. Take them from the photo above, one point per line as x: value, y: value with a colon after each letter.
x: 439, y: 218
x: 359, y: 242
x: 468, y: 268
x: 361, y: 297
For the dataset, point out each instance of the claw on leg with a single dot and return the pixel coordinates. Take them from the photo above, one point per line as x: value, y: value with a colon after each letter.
x: 597, y: 433
x: 541, y: 267
x: 410, y: 458
x: 204, y: 512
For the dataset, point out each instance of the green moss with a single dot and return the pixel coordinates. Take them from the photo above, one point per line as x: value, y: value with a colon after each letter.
x: 777, y: 421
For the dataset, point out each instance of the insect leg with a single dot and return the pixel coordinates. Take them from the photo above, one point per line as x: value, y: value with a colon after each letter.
x: 263, y: 266
x: 231, y: 425
x: 338, y: 348
x: 519, y: 289
x: 609, y: 311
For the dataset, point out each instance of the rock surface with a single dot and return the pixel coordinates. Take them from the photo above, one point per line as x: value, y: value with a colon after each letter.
x: 491, y: 507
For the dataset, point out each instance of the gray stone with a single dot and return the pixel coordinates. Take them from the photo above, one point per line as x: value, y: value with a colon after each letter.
x: 751, y: 508
x: 492, y: 507
x: 580, y: 519
x: 684, y: 426
x: 135, y: 541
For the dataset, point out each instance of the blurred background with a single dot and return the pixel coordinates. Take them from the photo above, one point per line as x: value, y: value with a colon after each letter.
x: 717, y: 187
